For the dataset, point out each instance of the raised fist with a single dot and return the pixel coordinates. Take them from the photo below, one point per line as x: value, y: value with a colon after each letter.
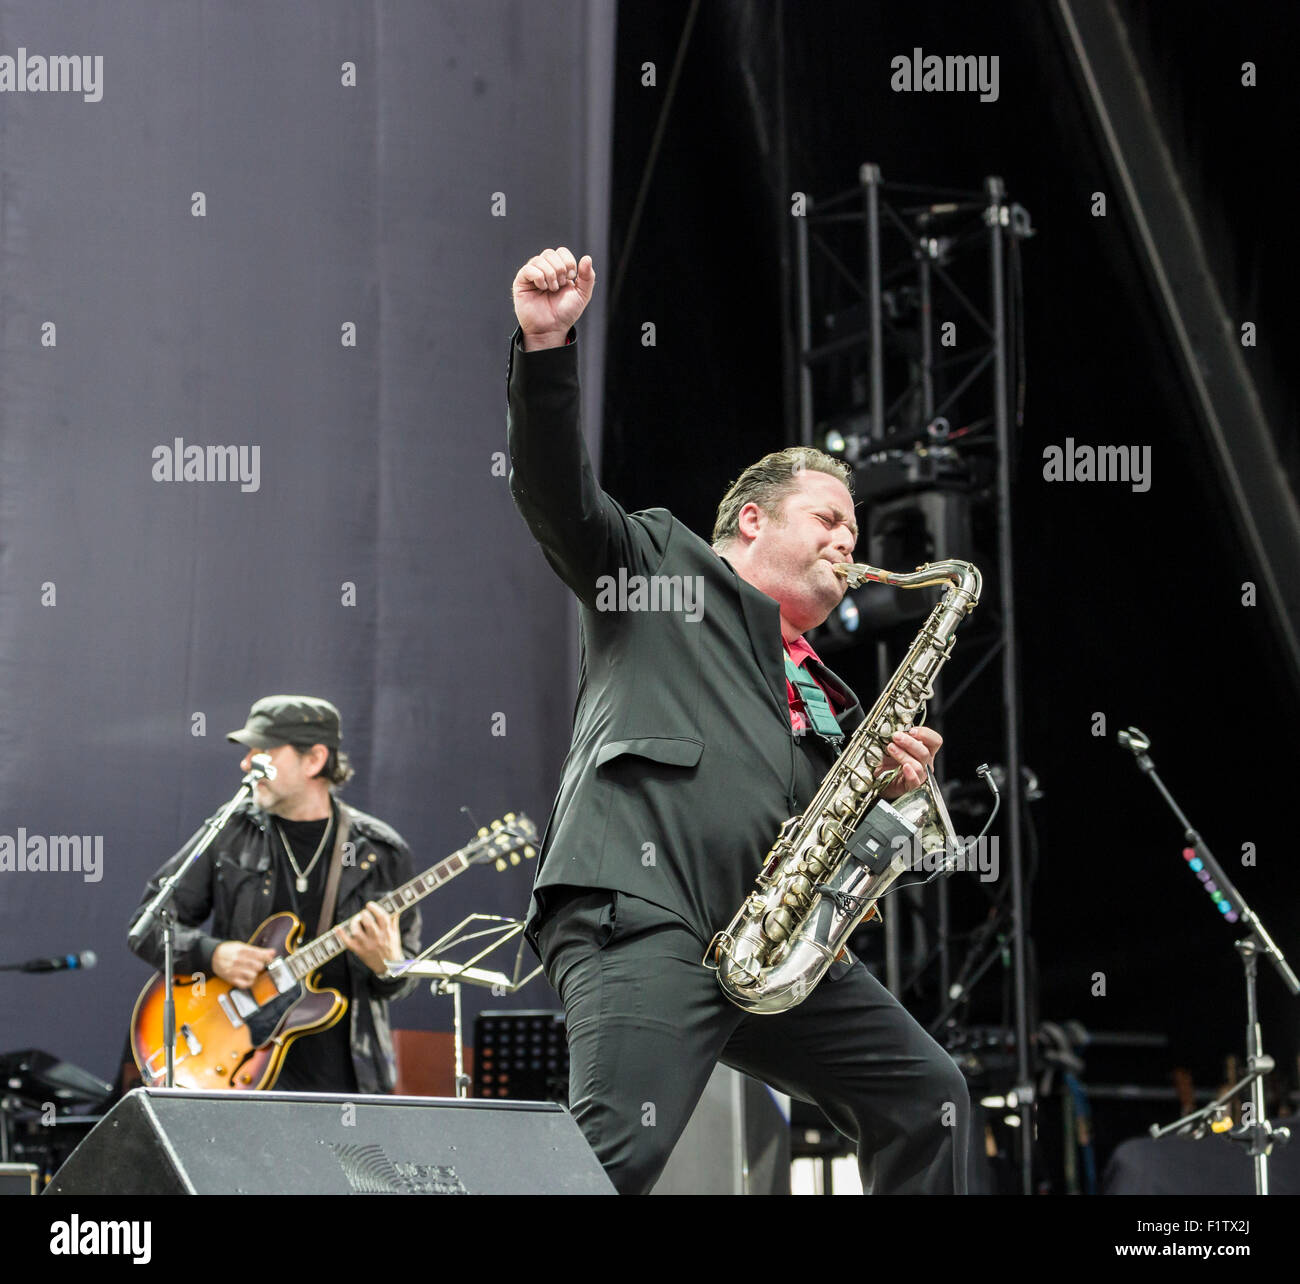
x: 551, y: 291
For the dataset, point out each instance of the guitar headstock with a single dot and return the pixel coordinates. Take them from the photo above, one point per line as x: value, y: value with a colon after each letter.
x: 505, y: 842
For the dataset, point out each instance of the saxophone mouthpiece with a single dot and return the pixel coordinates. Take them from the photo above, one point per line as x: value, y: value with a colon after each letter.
x: 857, y: 573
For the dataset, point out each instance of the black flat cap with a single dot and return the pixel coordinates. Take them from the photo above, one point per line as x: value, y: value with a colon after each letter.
x: 290, y: 720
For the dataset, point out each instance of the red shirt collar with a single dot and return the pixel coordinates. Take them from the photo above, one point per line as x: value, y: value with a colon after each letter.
x: 800, y: 651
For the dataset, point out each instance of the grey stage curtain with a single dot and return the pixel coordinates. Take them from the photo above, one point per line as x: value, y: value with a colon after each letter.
x: 374, y: 557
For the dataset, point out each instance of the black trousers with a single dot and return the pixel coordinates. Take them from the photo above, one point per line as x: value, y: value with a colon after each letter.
x: 647, y: 1023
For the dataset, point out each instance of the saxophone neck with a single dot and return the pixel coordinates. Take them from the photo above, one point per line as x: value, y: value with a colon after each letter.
x: 963, y: 576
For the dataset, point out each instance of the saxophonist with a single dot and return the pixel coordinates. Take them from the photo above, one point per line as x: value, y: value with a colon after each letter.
x: 703, y: 721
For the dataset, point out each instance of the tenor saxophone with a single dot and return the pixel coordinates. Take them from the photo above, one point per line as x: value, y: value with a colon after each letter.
x: 831, y: 864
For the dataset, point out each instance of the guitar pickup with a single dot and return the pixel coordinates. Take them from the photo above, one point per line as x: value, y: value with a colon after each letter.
x: 244, y: 1003
x: 280, y: 974
x: 228, y: 1008
x: 873, y: 841
x: 191, y: 1040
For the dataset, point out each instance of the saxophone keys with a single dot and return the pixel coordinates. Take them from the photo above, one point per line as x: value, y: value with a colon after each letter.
x: 778, y: 924
x: 798, y: 893
x: 829, y: 832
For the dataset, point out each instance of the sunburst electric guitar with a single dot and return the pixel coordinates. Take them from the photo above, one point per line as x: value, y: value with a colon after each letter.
x: 227, y: 1038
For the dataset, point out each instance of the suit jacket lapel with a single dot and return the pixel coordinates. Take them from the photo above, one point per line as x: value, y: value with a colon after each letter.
x: 763, y: 624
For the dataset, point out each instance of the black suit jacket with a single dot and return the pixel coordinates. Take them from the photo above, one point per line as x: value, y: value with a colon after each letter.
x: 683, y: 765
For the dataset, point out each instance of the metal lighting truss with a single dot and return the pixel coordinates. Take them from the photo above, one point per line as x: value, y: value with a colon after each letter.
x: 876, y: 382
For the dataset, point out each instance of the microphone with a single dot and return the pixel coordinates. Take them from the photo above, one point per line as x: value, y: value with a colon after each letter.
x: 1134, y: 739
x: 66, y: 963
x: 262, y: 769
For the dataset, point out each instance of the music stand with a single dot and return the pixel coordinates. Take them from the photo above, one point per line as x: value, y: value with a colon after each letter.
x: 448, y: 975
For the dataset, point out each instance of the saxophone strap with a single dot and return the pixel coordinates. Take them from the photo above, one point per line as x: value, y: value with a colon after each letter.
x: 814, y: 700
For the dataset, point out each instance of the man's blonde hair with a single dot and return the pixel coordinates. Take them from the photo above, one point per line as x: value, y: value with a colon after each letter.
x: 770, y: 482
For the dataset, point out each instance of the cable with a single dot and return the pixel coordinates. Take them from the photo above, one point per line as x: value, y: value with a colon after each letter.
x: 946, y: 868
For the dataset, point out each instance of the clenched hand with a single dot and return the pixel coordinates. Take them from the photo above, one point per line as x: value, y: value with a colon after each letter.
x: 551, y: 292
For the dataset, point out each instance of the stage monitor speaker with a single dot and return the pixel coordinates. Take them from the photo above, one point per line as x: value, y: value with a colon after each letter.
x: 736, y: 1143
x: 1211, y: 1165
x: 157, y: 1141
x: 19, y: 1179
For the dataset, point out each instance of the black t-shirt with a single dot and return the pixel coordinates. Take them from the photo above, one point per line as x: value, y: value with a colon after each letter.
x: 319, y: 1062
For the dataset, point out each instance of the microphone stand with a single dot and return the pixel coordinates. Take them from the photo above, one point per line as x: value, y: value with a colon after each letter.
x: 159, y: 909
x: 1259, y: 1135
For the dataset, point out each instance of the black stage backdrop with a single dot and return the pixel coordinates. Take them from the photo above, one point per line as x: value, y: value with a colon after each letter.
x: 1130, y: 603
x: 373, y: 556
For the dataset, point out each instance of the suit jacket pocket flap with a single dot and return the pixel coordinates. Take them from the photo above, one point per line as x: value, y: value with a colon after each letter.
x: 673, y: 750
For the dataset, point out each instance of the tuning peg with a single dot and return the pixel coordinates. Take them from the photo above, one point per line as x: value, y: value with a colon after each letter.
x: 500, y: 864
x: 482, y: 833
x: 514, y: 858
x: 496, y: 824
x: 509, y: 816
x: 528, y: 851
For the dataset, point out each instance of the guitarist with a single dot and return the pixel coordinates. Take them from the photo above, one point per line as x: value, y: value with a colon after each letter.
x: 277, y: 854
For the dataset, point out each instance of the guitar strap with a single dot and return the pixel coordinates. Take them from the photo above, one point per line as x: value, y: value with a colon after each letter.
x: 336, y: 869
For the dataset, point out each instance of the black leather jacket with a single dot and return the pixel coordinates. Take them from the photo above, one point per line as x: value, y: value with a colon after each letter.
x: 234, y: 883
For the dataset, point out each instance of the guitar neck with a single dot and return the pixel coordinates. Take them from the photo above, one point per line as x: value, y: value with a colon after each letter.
x: 303, y: 962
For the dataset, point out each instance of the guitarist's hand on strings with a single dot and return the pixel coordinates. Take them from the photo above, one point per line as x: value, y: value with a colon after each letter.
x: 372, y: 936
x: 240, y: 963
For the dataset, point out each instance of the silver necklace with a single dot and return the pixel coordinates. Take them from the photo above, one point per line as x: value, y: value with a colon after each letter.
x: 301, y: 883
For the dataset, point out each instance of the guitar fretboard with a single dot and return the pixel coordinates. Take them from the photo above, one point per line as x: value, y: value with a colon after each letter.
x: 303, y: 962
